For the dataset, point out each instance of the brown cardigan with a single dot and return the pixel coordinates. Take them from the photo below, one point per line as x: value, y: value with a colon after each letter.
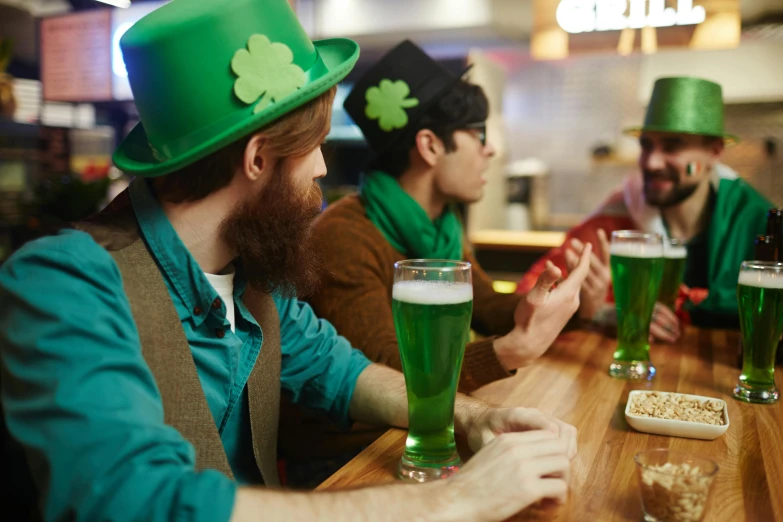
x: 356, y: 294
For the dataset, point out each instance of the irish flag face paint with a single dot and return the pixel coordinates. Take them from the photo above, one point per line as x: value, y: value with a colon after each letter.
x: 693, y: 168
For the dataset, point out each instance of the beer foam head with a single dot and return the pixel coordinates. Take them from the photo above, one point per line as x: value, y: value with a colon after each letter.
x: 432, y: 292
x: 761, y: 279
x: 643, y: 250
x: 675, y: 252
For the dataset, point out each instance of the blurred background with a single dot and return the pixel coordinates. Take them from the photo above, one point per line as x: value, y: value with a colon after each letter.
x: 563, y: 80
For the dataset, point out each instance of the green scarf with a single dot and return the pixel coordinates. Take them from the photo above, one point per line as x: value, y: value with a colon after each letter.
x: 406, y: 225
x: 738, y: 217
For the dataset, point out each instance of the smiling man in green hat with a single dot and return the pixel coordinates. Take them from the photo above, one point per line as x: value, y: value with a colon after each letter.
x: 682, y: 191
x: 144, y: 350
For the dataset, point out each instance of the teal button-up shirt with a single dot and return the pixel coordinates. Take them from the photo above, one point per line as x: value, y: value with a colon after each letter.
x: 79, y: 397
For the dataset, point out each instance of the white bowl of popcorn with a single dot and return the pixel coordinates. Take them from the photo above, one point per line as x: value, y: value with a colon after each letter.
x: 677, y: 414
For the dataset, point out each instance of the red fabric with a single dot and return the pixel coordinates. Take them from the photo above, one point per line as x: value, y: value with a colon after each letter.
x: 587, y: 232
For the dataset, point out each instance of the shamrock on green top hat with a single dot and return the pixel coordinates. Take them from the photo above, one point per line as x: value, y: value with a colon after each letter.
x: 685, y: 105
x: 205, y: 73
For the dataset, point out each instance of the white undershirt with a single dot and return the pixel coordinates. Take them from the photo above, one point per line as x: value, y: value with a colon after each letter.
x: 224, y: 286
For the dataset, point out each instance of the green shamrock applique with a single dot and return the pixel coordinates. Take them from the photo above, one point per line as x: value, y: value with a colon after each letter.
x: 265, y: 70
x: 387, y: 103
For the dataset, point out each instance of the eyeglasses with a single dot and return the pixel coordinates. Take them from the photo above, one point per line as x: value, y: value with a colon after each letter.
x: 481, y: 131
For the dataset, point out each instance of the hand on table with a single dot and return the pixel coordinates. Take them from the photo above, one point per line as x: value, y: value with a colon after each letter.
x: 513, y: 471
x: 664, y: 327
x: 491, y: 422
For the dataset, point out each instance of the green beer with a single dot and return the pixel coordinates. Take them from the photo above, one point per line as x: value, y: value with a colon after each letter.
x: 637, y: 268
x: 674, y: 255
x: 432, y: 320
x: 760, y: 301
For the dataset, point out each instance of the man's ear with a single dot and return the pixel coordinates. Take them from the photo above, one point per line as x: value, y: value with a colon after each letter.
x: 429, y: 147
x: 257, y: 159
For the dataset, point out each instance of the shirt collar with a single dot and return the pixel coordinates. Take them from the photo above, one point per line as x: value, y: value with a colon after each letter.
x: 178, y: 266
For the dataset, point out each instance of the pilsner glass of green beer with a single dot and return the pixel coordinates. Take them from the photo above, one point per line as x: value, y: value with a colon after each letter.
x: 674, y: 254
x: 760, y: 301
x: 432, y: 305
x: 637, y: 267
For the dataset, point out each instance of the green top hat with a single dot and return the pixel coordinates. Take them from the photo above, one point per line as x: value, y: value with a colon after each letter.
x: 685, y: 105
x: 205, y: 73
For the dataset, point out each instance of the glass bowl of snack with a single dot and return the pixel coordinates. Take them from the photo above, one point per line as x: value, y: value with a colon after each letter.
x: 677, y: 414
x: 674, y: 486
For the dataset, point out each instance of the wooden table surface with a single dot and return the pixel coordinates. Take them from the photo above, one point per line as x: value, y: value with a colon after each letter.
x: 571, y: 382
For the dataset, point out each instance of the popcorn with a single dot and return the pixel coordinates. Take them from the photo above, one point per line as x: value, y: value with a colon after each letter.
x: 672, y: 406
x: 674, y: 492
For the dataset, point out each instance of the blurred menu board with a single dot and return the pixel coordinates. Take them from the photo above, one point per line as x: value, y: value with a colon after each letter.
x: 76, y: 57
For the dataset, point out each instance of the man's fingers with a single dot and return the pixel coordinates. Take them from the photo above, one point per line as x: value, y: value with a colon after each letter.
x: 662, y: 334
x: 522, y: 419
x: 597, y: 264
x: 555, y: 488
x: 553, y: 466
x: 579, y: 273
x: 548, y: 448
x: 572, y: 259
x: 604, y: 247
x: 570, y: 433
x: 666, y: 319
x: 665, y: 314
x: 512, y: 439
x: 548, y: 278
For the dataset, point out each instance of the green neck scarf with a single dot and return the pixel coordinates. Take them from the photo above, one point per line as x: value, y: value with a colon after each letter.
x: 406, y: 225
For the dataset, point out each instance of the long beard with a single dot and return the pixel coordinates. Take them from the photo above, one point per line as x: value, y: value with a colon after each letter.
x: 271, y: 234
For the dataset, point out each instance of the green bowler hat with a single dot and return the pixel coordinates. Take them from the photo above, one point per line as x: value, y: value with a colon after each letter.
x: 205, y: 73
x: 685, y: 105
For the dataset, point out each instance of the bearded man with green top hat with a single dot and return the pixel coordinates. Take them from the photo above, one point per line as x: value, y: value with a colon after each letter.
x: 682, y: 191
x: 144, y: 350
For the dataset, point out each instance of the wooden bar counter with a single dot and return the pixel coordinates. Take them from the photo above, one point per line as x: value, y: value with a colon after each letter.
x: 571, y: 383
x: 533, y: 241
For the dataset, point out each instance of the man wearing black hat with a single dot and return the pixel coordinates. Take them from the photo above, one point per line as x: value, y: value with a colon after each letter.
x: 426, y: 128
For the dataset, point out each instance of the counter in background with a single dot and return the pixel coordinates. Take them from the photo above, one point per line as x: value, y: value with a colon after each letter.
x: 507, y: 254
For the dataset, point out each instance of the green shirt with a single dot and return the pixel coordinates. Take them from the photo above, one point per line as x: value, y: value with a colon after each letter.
x: 79, y: 397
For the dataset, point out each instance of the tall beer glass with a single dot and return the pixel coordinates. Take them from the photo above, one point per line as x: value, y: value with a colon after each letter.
x: 760, y: 301
x: 637, y: 267
x: 432, y: 304
x: 674, y: 254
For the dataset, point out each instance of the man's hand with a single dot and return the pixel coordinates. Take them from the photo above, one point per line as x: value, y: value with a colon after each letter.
x: 512, y: 472
x: 665, y: 325
x: 592, y: 295
x: 542, y: 314
x: 492, y: 422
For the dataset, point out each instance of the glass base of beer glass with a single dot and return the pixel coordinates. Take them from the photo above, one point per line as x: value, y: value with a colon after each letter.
x: 417, y: 472
x: 759, y: 396
x: 632, y: 370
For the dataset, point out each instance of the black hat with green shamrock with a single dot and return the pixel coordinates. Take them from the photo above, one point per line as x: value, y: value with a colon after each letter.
x: 395, y: 93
